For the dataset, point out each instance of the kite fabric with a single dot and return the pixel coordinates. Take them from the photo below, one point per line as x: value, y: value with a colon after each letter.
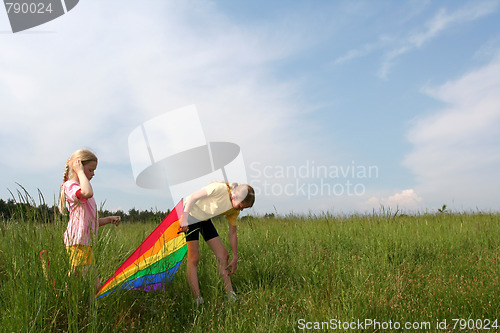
x: 154, y: 263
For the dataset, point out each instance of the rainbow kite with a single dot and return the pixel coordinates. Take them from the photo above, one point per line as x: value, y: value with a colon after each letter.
x: 154, y: 262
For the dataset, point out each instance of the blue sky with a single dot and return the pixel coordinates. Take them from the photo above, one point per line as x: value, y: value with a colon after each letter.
x: 406, y: 89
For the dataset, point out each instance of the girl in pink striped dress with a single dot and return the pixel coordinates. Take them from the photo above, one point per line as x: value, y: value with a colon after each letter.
x: 77, y: 196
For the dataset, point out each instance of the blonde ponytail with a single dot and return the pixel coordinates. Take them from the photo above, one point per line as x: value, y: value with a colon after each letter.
x: 62, y: 199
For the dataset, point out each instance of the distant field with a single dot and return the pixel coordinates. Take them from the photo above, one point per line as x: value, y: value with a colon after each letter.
x: 359, y: 273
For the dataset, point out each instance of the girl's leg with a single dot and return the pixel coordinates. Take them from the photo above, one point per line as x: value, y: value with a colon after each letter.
x: 192, y: 267
x: 222, y: 261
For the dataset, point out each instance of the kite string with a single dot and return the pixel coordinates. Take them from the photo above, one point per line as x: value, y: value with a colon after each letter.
x: 46, y: 267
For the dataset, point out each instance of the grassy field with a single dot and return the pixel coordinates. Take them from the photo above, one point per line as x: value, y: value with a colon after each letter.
x: 295, y: 274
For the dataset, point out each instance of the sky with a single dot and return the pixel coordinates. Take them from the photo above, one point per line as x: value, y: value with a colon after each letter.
x: 338, y: 106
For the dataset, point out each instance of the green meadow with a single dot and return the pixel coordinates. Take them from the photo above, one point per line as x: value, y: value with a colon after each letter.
x: 360, y: 273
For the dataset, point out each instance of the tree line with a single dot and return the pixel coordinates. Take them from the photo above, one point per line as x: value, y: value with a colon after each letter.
x: 28, y: 210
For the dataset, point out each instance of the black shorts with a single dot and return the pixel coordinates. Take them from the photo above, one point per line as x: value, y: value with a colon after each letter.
x: 206, y: 228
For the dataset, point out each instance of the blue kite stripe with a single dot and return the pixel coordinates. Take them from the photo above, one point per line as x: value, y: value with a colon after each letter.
x: 145, y: 280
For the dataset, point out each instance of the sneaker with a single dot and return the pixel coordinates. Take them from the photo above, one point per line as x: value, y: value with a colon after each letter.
x: 231, y: 297
x: 198, y: 302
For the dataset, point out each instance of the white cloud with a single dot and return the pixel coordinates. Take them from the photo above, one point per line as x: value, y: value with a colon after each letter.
x: 442, y: 20
x: 394, y: 45
x: 456, y: 150
x: 95, y: 77
x: 357, y: 53
x: 406, y: 200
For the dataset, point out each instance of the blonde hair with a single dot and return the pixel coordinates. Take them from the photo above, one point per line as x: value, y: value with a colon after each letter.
x: 238, y: 189
x: 250, y: 197
x: 83, y: 155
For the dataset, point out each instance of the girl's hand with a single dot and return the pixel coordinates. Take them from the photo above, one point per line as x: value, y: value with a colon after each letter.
x: 77, y: 166
x: 116, y: 220
x: 233, y: 265
x: 183, y: 223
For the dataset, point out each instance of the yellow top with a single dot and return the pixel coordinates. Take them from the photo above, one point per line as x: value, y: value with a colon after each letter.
x: 217, y: 203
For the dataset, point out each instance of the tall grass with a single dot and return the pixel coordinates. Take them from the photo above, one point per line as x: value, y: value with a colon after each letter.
x: 420, y: 268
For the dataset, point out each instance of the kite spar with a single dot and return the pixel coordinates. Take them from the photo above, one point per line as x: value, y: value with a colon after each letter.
x: 154, y: 263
